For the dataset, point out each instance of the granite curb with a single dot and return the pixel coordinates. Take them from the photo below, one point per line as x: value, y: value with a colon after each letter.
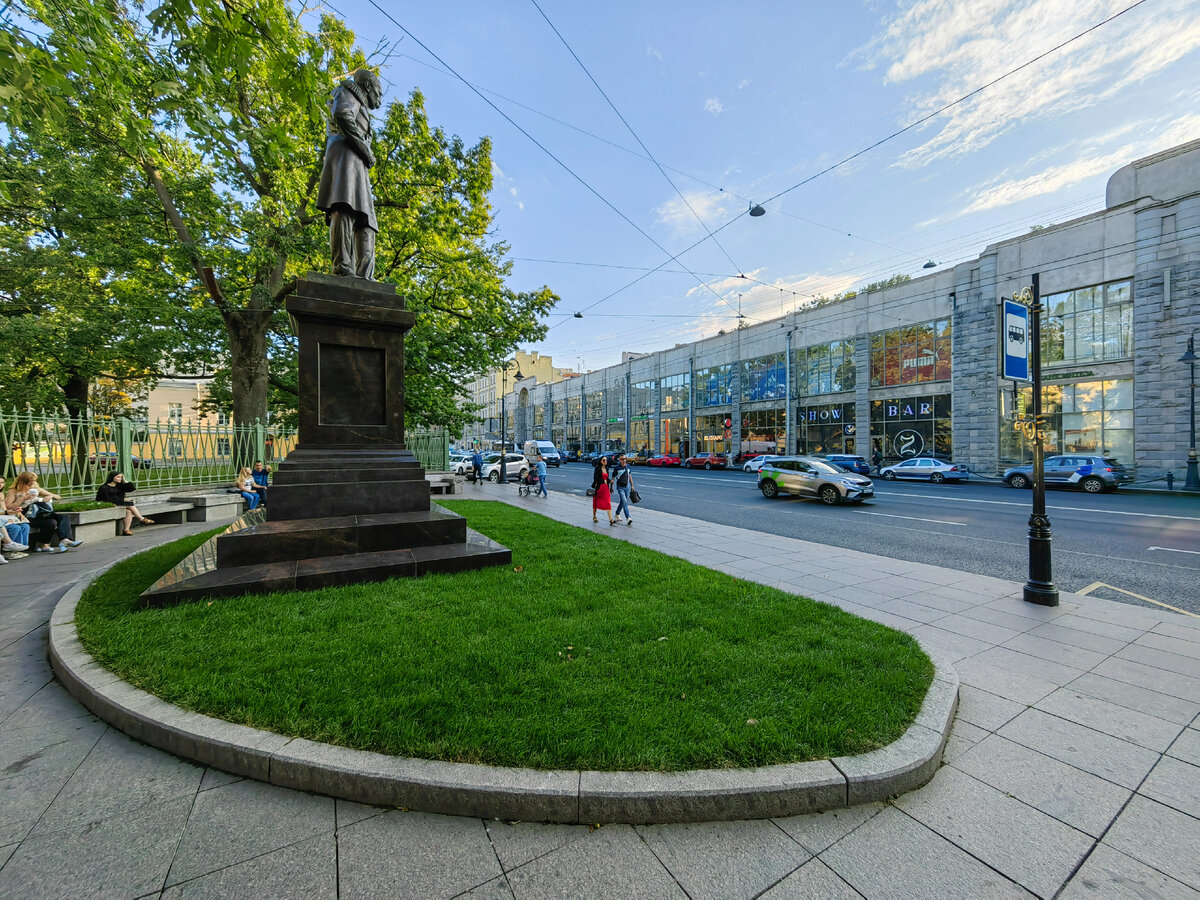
x: 506, y: 793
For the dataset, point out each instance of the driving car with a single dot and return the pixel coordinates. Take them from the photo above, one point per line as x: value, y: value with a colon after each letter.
x: 515, y: 466
x: 926, y: 468
x: 811, y: 477
x: 705, y: 461
x: 1093, y: 474
x: 753, y: 465
x: 570, y: 456
x: 664, y: 459
x: 808, y: 476
x: 850, y: 462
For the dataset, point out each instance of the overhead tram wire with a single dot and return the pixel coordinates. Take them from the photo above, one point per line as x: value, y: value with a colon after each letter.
x: 547, y: 151
x: 636, y: 137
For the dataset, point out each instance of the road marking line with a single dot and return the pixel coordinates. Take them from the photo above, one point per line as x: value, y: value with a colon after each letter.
x: 1099, y: 584
x: 1174, y: 550
x: 1049, y: 507
x: 914, y: 519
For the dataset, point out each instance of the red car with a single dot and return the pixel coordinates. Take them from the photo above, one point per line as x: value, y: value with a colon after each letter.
x: 664, y: 459
x: 705, y: 461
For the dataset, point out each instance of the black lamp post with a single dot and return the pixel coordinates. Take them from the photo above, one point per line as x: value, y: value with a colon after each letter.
x: 1040, y: 586
x: 504, y: 422
x: 1192, y: 481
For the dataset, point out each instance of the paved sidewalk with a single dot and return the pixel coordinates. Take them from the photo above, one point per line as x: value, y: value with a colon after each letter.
x: 1073, y: 768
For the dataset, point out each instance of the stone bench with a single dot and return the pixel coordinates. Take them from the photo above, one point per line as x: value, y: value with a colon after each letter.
x: 104, y: 524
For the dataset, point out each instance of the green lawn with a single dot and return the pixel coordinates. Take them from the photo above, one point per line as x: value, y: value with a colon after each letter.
x: 586, y: 652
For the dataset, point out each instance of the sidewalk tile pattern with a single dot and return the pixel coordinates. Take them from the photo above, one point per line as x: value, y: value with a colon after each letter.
x: 1073, y: 769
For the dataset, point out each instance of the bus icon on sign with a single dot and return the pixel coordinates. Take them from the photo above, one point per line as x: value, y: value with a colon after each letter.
x: 1016, y: 332
x: 1015, y: 338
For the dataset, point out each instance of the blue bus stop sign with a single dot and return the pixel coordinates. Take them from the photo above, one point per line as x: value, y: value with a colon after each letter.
x: 1015, y: 340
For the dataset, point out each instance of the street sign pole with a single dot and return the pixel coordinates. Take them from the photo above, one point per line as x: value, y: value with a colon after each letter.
x: 1039, y: 588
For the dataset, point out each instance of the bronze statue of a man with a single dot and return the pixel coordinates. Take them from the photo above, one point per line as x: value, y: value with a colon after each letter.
x: 345, y: 192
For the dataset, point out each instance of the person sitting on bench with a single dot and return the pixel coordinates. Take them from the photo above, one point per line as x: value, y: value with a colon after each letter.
x: 113, y: 491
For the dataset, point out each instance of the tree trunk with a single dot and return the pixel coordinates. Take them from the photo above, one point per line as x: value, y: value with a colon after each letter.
x: 75, y: 392
x: 247, y: 329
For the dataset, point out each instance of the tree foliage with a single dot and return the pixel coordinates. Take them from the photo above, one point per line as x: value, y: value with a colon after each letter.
x: 213, y: 112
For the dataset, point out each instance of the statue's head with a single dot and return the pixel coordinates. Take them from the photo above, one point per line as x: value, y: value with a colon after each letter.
x: 371, y: 86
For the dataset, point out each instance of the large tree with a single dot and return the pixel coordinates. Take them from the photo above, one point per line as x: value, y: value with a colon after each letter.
x: 218, y: 107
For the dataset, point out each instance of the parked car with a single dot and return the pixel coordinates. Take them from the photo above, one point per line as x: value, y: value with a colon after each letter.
x: 641, y: 458
x: 1093, y: 474
x: 807, y: 476
x: 850, y: 463
x: 664, y: 459
x: 705, y: 461
x: 753, y: 465
x: 926, y: 468
x: 515, y: 466
x: 570, y: 455
x: 610, y: 455
x: 110, y: 461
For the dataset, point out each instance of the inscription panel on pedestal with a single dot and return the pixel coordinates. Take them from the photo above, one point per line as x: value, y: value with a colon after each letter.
x: 351, y: 385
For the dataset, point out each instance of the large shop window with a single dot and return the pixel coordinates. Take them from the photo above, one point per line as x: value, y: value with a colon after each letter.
x: 825, y: 368
x: 539, y: 416
x: 714, y: 386
x: 764, y: 378
x: 594, y: 406
x: 641, y: 434
x: 711, y: 435
x: 641, y: 399
x: 1089, y: 324
x: 828, y: 428
x: 1086, y: 417
x: 616, y: 401
x: 764, y: 430
x: 593, y: 437
x: 912, y: 426
x: 675, y: 392
x: 914, y: 354
x: 675, y: 436
x: 573, y: 406
x: 560, y: 410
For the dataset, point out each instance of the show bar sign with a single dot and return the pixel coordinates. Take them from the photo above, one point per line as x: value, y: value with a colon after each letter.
x: 1015, y: 340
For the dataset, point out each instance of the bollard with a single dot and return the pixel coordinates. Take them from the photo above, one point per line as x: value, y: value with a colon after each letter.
x: 1170, y: 481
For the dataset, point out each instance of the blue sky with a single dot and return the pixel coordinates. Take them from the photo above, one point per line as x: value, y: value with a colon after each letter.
x: 740, y: 102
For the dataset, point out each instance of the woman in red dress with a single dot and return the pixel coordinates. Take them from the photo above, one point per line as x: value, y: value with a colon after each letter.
x: 602, y: 498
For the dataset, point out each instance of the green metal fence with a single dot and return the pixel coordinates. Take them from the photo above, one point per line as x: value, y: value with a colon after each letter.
x: 74, y: 456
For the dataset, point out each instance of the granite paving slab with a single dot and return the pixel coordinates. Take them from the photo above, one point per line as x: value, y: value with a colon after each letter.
x: 304, y: 869
x: 1174, y: 783
x: 1110, y: 718
x: 812, y: 881
x: 1030, y: 847
x: 895, y: 856
x: 1080, y: 799
x: 517, y: 843
x: 1108, y: 874
x: 238, y: 822
x: 817, y: 832
x: 1144, y: 700
x: 710, y: 861
x: 611, y: 862
x: 1186, y: 746
x: 1159, y: 836
x: 414, y: 855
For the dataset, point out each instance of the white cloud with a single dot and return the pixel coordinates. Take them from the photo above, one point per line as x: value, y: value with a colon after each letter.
x: 1088, y: 162
x: 960, y: 47
x: 713, y: 105
x: 708, y: 205
x: 745, y: 83
x: 651, y: 51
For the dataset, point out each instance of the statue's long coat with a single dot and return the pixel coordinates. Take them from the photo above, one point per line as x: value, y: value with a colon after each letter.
x: 345, y: 177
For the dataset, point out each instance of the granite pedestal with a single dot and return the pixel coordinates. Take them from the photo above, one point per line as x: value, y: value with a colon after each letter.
x: 350, y: 503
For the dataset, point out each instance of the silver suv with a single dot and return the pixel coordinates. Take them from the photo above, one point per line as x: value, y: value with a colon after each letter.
x: 1093, y: 474
x: 806, y: 476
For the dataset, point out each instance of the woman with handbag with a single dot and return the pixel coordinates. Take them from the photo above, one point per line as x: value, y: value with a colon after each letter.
x: 601, y: 496
x: 45, y: 525
x: 113, y: 491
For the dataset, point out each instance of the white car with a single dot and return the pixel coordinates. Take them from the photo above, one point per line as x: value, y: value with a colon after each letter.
x: 753, y: 465
x: 926, y: 468
x: 516, y: 466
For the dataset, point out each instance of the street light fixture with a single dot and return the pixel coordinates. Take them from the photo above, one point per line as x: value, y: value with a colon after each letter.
x: 1192, y: 481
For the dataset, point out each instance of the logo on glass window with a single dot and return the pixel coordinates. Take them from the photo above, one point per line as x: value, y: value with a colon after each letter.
x: 908, y: 443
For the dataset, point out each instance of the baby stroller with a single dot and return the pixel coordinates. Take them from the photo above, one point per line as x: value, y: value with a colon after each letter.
x: 528, y: 484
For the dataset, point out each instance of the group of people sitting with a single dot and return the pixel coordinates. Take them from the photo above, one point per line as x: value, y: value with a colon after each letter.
x: 30, y: 522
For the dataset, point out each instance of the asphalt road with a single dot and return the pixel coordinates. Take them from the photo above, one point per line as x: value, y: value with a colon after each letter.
x: 1139, y: 548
